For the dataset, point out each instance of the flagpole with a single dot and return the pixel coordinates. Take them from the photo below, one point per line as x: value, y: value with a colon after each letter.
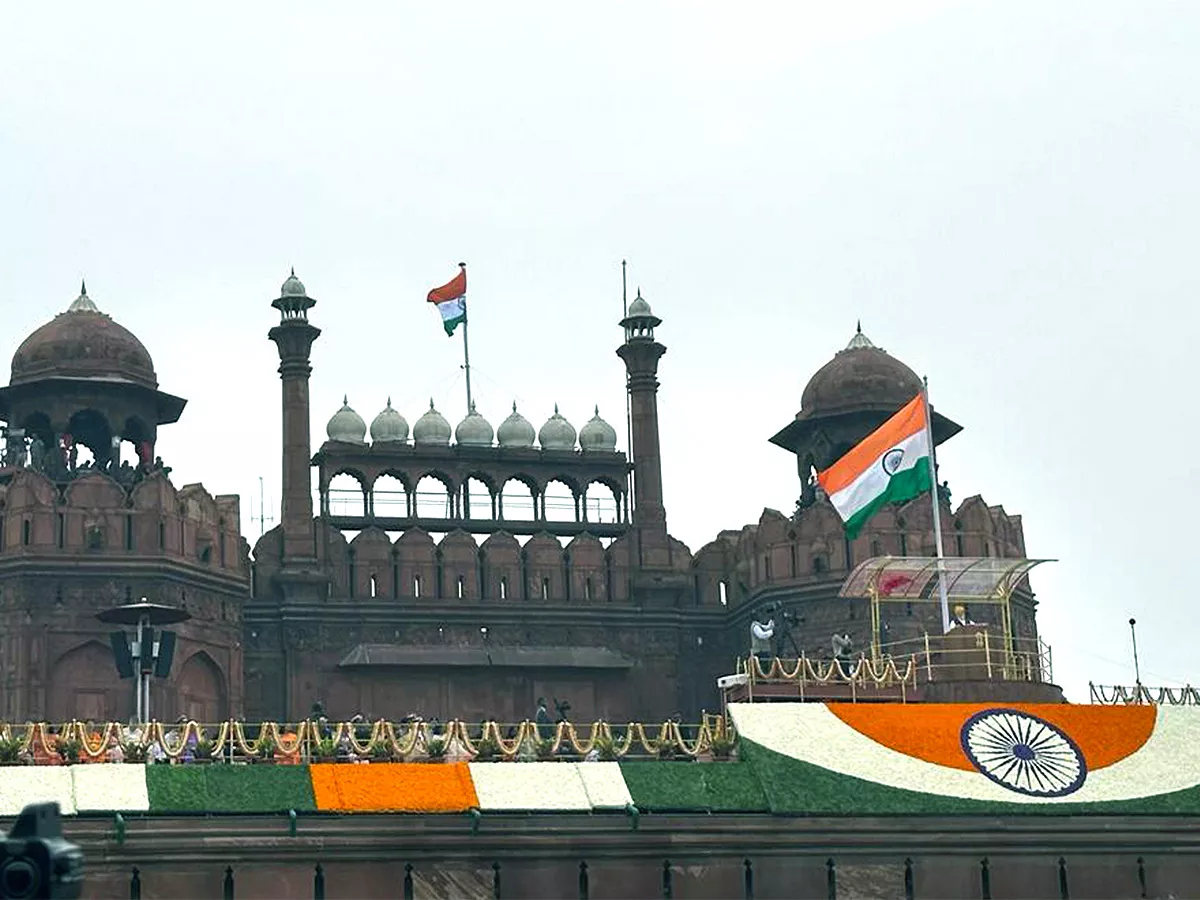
x: 937, y: 513
x: 628, y: 407
x: 466, y: 348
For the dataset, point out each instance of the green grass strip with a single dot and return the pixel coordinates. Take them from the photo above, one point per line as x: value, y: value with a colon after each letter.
x: 684, y: 786
x: 229, y: 789
x: 795, y: 787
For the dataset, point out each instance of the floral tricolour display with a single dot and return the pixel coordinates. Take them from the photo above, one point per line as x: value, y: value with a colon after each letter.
x: 22, y: 785
x: 1003, y: 755
x: 109, y: 788
x: 393, y: 787
x: 530, y: 786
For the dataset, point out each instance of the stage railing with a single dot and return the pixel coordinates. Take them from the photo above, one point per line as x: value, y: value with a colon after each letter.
x: 317, y: 741
x: 1140, y: 694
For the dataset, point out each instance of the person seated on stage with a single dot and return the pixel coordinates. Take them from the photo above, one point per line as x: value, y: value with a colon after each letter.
x: 760, y: 641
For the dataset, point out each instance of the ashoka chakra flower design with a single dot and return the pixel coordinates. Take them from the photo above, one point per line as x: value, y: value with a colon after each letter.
x: 1023, y: 753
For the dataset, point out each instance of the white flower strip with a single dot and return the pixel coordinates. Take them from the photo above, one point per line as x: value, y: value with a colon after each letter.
x: 604, y: 784
x: 1169, y: 761
x: 110, y: 787
x: 22, y: 785
x: 529, y: 786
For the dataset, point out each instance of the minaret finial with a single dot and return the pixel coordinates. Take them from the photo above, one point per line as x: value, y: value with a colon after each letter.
x: 82, y: 287
x: 431, y: 403
x: 389, y: 406
x: 556, y: 409
x: 514, y: 406
x: 345, y: 399
x: 596, y: 411
x: 859, y: 326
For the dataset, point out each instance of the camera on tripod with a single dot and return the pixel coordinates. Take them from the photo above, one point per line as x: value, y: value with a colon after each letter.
x: 36, y: 861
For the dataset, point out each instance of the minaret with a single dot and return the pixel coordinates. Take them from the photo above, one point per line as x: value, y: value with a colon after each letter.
x: 294, y: 337
x: 641, y: 353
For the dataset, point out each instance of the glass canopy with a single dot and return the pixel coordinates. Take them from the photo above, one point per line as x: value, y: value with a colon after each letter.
x: 907, y: 578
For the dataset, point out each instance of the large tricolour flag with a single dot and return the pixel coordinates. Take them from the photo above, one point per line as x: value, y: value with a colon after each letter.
x: 891, y: 465
x: 451, y: 300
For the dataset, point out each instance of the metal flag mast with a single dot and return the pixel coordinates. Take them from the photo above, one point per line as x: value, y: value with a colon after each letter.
x: 466, y: 349
x: 937, y: 513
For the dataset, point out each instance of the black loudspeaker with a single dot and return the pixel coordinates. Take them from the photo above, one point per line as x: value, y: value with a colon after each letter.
x: 120, y: 648
x: 166, y: 654
x: 146, y: 646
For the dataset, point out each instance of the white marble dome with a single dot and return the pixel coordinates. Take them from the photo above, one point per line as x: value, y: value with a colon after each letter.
x: 431, y: 428
x: 474, y: 430
x: 346, y: 426
x: 515, y: 431
x: 639, y: 306
x: 557, y: 433
x: 293, y: 287
x: 597, y: 434
x: 389, y: 427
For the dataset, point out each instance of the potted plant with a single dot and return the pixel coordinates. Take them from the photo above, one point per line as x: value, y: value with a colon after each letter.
x: 605, y: 748
x: 133, y: 751
x: 487, y: 749
x: 436, y: 749
x: 666, y: 749
x: 544, y: 749
x: 203, y: 751
x: 10, y: 751
x: 325, y: 750
x: 266, y: 750
x: 69, y: 751
x: 381, y: 751
x: 722, y: 745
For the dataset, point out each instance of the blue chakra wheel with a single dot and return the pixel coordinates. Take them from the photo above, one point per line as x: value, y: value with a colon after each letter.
x: 1023, y: 753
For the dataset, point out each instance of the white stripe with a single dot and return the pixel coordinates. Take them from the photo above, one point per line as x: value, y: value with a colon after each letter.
x: 452, y: 309
x: 1168, y: 761
x: 873, y: 480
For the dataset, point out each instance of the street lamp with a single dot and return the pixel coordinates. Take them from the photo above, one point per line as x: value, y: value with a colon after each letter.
x: 144, y: 656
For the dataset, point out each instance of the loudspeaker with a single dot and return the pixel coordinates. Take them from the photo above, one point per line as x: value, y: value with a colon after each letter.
x: 122, y: 654
x: 166, y: 653
x: 146, y: 650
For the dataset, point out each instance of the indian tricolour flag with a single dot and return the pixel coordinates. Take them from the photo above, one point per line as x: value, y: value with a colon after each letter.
x: 451, y: 300
x: 891, y: 465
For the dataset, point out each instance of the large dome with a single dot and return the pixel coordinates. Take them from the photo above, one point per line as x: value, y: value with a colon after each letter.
x: 83, y: 343
x: 859, y: 377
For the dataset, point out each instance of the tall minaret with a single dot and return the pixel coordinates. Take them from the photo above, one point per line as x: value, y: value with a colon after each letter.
x: 294, y: 338
x: 641, y: 353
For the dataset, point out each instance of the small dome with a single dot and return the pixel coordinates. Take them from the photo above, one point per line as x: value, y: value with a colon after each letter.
x: 389, y: 427
x: 83, y: 343
x: 346, y: 425
x: 293, y: 287
x: 639, y: 306
x: 861, y: 376
x: 474, y: 430
x: 515, y: 431
x: 597, y: 434
x: 557, y: 433
x: 431, y: 428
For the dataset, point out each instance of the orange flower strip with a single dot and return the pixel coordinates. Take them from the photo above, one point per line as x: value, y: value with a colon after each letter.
x: 931, y: 731
x: 393, y: 787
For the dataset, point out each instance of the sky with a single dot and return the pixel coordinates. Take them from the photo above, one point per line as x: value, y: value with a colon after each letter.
x: 1004, y: 193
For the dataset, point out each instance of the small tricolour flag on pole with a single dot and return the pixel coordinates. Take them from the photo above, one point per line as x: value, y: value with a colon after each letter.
x: 892, y: 465
x: 451, y: 300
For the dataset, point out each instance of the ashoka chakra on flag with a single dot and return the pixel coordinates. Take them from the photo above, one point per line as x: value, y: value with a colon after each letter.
x: 1023, y: 753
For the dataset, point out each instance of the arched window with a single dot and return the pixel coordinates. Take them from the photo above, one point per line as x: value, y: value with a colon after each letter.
x: 545, y: 588
x: 459, y: 587
x: 587, y: 589
x: 820, y: 564
x: 724, y: 593
x: 26, y: 532
x: 503, y: 587
x: 62, y: 531
x: 374, y: 585
x: 417, y: 586
x: 162, y: 536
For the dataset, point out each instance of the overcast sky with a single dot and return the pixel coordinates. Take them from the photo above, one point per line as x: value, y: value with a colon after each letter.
x: 1005, y: 193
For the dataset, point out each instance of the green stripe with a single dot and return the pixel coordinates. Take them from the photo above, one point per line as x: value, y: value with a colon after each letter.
x: 226, y: 788
x: 451, y: 324
x: 691, y: 786
x: 796, y: 787
x: 902, y: 487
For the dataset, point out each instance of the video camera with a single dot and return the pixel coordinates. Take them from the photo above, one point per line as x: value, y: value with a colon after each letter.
x: 36, y: 861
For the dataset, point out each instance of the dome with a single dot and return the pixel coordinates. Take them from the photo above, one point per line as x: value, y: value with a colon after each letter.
x: 861, y: 376
x: 83, y: 343
x: 557, y: 433
x: 597, y: 434
x: 474, y: 430
x: 292, y: 287
x: 515, y: 431
x: 639, y: 306
x: 389, y: 427
x: 431, y: 428
x: 346, y: 426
